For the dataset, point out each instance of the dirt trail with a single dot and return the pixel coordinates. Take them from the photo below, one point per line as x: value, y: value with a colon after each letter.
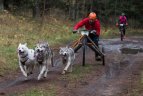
x: 116, y: 78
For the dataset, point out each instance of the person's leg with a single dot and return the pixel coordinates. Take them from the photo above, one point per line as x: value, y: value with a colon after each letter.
x: 97, y: 56
x: 95, y: 39
x: 96, y: 43
x: 124, y: 32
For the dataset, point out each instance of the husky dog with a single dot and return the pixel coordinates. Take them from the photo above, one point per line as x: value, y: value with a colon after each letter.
x: 26, y: 59
x: 68, y: 57
x: 43, y: 56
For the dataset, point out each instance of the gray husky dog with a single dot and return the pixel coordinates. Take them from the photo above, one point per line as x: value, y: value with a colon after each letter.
x: 68, y: 57
x: 43, y: 56
x: 26, y: 59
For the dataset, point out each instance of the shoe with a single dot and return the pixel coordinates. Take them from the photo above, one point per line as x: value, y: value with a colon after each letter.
x: 98, y: 58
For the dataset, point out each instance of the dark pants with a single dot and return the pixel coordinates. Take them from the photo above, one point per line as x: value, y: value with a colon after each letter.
x: 95, y: 39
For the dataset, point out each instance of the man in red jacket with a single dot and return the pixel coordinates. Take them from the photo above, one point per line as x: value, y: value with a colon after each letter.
x: 90, y: 23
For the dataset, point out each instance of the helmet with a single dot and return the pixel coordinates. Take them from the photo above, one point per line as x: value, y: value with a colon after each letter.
x: 92, y: 16
x: 123, y: 14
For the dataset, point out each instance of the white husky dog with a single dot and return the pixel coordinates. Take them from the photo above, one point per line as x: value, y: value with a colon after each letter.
x: 26, y: 59
x: 43, y: 56
x: 68, y: 57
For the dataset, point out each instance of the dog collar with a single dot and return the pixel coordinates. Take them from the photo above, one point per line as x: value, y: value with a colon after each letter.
x: 23, y: 62
x: 24, y: 56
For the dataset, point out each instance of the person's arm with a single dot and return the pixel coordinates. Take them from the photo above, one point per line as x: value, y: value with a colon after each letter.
x: 97, y: 27
x: 126, y: 21
x: 80, y: 24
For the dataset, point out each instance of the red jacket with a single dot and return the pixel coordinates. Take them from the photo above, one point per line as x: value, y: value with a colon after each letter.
x: 122, y: 20
x: 85, y: 22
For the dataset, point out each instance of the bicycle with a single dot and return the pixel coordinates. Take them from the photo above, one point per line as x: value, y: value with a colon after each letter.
x: 122, y: 29
x: 82, y: 42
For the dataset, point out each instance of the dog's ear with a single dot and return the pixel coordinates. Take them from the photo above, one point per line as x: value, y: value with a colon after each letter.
x: 25, y: 44
x: 61, y: 48
x: 67, y: 46
x: 37, y: 44
x: 47, y: 44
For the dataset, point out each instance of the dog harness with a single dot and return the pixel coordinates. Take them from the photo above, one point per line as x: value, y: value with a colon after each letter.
x: 24, y: 57
x: 40, y: 58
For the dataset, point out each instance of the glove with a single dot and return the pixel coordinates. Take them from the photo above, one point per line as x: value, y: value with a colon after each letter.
x: 117, y: 24
x: 93, y: 31
x: 74, y: 31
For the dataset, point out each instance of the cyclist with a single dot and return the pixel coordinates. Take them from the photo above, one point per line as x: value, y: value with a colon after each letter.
x: 92, y: 24
x: 122, y: 20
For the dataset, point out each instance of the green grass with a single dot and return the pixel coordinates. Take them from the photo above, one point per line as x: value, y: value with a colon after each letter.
x: 80, y: 71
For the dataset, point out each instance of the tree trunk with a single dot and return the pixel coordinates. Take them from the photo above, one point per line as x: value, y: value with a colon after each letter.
x: 36, y: 10
x: 1, y: 5
x: 74, y: 10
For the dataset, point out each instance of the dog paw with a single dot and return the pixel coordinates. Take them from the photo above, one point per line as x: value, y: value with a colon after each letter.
x: 25, y: 75
x: 45, y: 76
x: 39, y: 78
x: 64, y: 72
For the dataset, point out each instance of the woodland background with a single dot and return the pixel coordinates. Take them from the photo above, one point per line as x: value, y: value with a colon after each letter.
x: 107, y: 10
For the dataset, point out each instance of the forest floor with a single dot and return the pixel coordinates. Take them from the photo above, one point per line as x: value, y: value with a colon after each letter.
x: 121, y: 75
